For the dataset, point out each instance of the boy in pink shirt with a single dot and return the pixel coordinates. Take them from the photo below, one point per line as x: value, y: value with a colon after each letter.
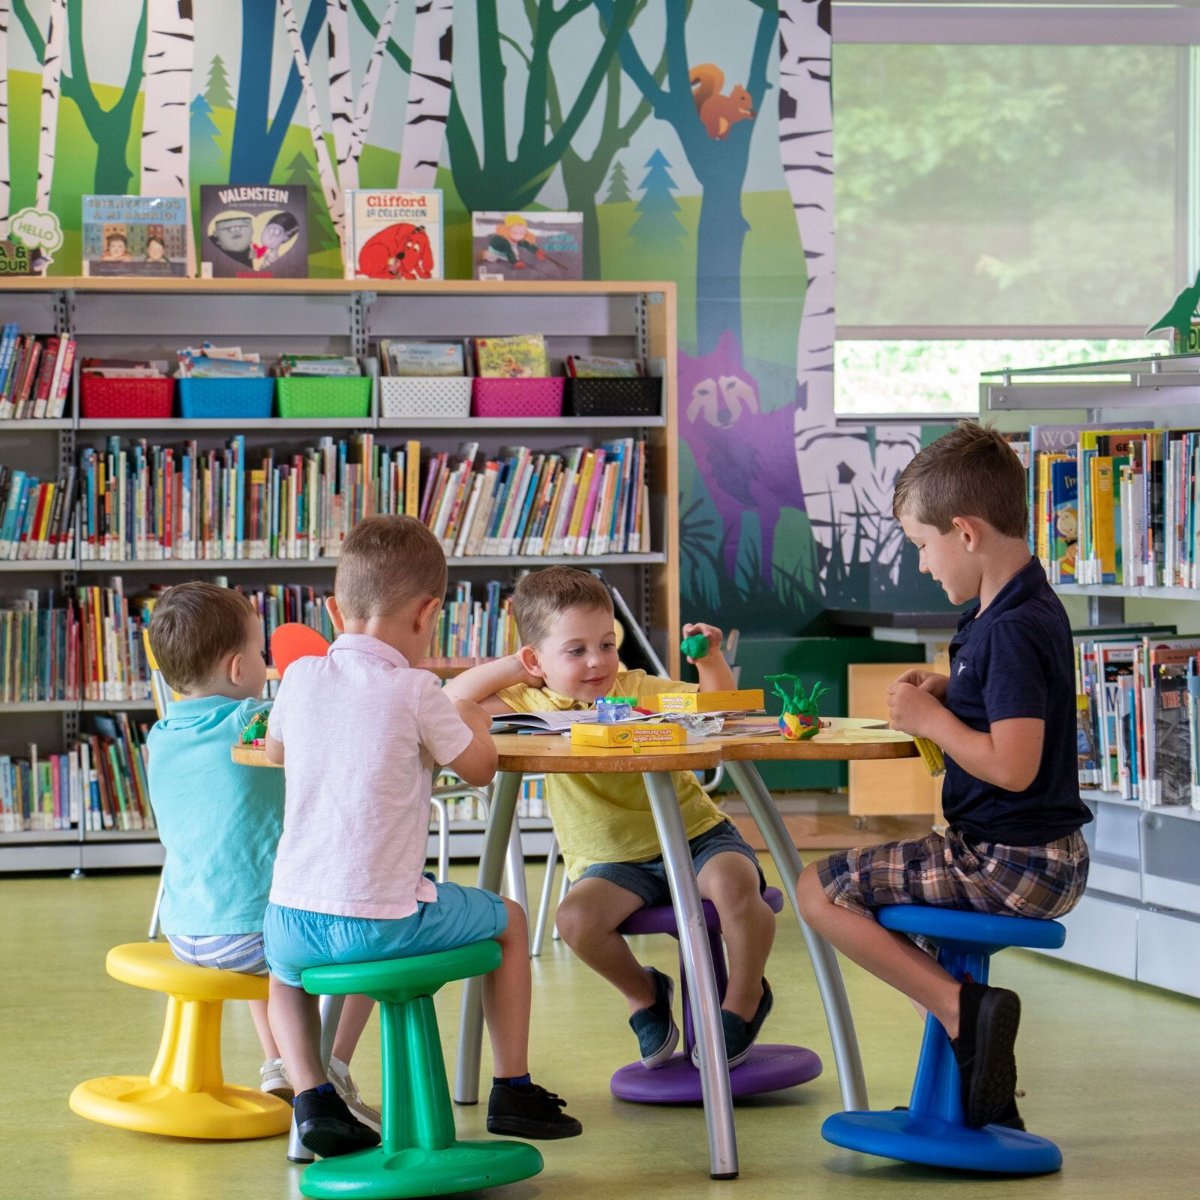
x: 360, y: 733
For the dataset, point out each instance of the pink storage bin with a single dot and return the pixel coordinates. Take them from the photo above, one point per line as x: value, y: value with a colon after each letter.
x: 517, y: 397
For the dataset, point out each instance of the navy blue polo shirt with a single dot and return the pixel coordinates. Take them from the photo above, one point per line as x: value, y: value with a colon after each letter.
x: 1015, y: 659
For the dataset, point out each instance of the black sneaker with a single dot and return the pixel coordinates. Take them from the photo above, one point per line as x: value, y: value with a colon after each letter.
x: 984, y: 1049
x: 530, y: 1112
x: 657, y: 1033
x: 740, y: 1034
x: 327, y: 1127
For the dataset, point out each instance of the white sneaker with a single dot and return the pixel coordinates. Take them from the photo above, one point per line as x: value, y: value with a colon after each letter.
x: 339, y: 1076
x: 274, y: 1081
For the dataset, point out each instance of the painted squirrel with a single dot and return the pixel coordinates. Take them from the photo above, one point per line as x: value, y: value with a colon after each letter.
x: 718, y: 113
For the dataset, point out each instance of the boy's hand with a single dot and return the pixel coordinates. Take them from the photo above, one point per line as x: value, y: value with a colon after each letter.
x: 928, y: 681
x: 714, y: 635
x: 911, y: 708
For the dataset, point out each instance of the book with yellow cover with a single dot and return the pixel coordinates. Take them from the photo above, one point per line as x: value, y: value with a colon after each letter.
x: 738, y: 700
x: 412, y: 478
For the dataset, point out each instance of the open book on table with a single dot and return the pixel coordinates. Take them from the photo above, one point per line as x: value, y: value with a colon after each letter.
x: 555, y: 721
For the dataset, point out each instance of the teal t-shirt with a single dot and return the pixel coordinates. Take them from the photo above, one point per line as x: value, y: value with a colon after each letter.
x: 218, y: 821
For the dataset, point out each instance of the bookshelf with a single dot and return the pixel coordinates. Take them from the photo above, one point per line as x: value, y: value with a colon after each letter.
x: 1140, y: 916
x: 141, y: 318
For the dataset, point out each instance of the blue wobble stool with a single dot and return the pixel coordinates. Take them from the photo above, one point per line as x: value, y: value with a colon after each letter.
x: 420, y: 1155
x: 931, y: 1129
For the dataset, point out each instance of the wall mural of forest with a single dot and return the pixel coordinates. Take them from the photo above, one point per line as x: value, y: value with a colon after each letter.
x: 694, y: 135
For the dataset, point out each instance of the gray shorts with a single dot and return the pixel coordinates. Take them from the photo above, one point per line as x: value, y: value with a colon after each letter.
x: 648, y: 880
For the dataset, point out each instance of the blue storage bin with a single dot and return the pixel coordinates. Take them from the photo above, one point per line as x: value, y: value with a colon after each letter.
x: 226, y: 399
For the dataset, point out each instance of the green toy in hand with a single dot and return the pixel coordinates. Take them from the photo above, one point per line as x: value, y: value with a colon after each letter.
x: 695, y: 646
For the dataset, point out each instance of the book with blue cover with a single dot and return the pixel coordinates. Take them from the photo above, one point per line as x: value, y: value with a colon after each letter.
x: 134, y: 235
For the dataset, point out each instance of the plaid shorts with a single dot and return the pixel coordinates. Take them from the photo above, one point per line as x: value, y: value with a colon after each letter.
x: 950, y: 872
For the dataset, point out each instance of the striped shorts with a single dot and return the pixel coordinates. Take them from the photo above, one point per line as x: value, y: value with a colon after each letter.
x: 950, y: 872
x: 241, y: 952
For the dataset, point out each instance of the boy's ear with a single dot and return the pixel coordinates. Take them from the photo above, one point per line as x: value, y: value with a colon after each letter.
x: 528, y: 658
x: 335, y: 613
x: 427, y: 612
x: 970, y: 529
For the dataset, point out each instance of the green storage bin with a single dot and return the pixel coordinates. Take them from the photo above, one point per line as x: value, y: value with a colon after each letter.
x: 316, y: 396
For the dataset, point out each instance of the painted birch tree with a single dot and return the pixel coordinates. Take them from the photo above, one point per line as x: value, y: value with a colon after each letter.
x: 170, y: 46
x: 847, y: 473
x: 258, y: 132
x: 484, y: 173
x: 719, y: 164
x: 429, y: 94
x: 51, y: 57
x: 334, y: 200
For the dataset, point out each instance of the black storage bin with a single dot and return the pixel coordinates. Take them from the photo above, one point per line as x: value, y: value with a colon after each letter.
x: 633, y: 396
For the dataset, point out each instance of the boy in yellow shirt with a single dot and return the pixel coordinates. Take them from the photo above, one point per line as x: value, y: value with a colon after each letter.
x: 604, y: 824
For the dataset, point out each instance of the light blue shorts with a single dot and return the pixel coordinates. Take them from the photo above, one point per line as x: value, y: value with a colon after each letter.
x: 297, y: 939
x: 241, y: 952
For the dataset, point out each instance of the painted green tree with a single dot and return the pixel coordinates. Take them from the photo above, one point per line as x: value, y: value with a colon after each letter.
x: 206, y: 158
x: 657, y: 223
x: 109, y: 128
x: 217, y: 92
x: 321, y: 234
x: 618, y: 185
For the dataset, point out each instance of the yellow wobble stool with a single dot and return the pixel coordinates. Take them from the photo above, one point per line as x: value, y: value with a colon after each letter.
x: 185, y: 1094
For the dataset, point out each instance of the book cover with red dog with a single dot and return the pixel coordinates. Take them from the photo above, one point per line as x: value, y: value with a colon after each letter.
x: 394, y: 235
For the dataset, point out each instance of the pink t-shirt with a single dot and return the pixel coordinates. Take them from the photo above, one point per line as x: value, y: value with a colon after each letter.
x: 362, y: 732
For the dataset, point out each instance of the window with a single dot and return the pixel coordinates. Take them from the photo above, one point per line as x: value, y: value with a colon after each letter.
x: 1005, y: 186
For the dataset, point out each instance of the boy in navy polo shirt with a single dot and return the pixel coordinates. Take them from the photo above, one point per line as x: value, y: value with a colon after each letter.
x: 1005, y: 720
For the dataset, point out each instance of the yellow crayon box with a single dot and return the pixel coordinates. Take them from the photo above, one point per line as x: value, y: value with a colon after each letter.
x: 640, y: 736
x: 741, y: 700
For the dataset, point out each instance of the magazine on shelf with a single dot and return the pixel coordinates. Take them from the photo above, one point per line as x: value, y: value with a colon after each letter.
x: 515, y: 356
x: 248, y: 232
x: 394, y: 235
x: 134, y: 235
x: 524, y: 245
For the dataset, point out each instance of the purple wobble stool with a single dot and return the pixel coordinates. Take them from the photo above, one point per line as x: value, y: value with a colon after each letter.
x: 768, y: 1068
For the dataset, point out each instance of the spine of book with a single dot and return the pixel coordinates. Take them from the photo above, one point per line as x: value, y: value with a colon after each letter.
x: 468, y: 521
x: 8, y: 343
x: 589, y: 508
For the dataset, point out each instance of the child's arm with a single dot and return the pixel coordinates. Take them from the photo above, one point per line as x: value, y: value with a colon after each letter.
x: 274, y: 751
x: 481, y: 683
x: 715, y: 673
x: 1007, y: 755
x: 477, y: 763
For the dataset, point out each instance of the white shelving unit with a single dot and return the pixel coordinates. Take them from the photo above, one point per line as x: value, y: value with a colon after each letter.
x: 1140, y: 916
x: 153, y: 318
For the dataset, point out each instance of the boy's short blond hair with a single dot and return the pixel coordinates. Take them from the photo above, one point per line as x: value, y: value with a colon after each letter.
x: 541, y: 596
x: 969, y: 472
x: 193, y: 627
x: 386, y: 562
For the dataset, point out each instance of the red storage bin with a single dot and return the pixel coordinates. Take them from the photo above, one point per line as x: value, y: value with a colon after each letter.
x: 105, y: 398
x: 517, y: 397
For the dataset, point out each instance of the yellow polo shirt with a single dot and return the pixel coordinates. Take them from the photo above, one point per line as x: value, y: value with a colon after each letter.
x: 607, y: 818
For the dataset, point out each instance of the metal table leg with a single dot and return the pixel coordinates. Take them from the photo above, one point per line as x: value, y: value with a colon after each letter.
x: 701, y: 979
x: 496, y: 844
x: 766, y: 816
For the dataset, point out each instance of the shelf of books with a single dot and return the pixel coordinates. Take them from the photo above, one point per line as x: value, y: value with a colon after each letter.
x: 1113, y: 498
x: 154, y: 430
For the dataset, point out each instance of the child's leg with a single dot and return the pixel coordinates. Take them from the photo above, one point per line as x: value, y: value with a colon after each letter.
x: 356, y: 1011
x: 890, y: 956
x: 588, y: 919
x: 296, y: 1023
x: 506, y: 998
x: 731, y: 882
x: 262, y: 1025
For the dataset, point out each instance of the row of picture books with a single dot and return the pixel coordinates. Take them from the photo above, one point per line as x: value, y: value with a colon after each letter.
x: 87, y: 644
x: 150, y: 502
x: 35, y: 374
x: 511, y: 356
x: 261, y: 231
x: 1115, y: 504
x: 1139, y: 717
x: 98, y: 783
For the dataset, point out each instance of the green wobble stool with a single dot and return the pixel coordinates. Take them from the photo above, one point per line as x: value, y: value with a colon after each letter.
x: 420, y: 1155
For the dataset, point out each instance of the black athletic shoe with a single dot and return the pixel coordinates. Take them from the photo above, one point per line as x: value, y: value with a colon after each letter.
x: 740, y: 1034
x: 327, y: 1127
x: 984, y: 1049
x: 657, y: 1033
x: 529, y: 1112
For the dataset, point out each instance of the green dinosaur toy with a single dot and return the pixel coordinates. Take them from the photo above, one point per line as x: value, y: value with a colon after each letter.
x: 1179, y: 316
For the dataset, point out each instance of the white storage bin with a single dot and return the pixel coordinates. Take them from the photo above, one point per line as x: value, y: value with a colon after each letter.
x: 425, y: 396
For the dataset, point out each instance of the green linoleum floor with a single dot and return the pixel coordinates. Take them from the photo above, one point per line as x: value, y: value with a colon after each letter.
x: 1109, y: 1069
